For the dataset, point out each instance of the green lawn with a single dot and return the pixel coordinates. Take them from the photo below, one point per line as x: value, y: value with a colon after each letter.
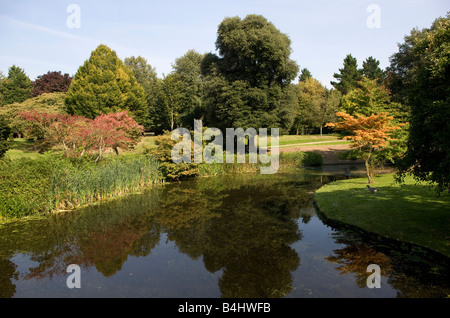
x: 300, y: 139
x: 21, y: 148
x: 411, y: 213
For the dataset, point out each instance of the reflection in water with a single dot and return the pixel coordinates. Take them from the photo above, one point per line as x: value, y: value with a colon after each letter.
x: 243, y: 229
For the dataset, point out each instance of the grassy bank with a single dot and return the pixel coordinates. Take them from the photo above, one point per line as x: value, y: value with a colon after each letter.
x: 410, y: 213
x: 49, y: 182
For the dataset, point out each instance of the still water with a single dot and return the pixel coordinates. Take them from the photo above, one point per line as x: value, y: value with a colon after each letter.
x: 231, y: 236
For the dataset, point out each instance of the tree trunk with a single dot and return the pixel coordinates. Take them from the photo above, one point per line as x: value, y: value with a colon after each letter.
x: 369, y: 178
x: 320, y: 130
x: 369, y: 172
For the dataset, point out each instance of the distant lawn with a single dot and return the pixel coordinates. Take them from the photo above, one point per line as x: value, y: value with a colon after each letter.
x: 21, y: 148
x: 301, y: 139
x: 338, y: 142
x: 147, y: 142
x: 411, y: 213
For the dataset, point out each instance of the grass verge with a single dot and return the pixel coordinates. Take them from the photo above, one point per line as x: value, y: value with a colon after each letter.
x: 411, y: 213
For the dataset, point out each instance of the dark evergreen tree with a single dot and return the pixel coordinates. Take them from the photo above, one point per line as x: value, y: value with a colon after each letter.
x: 5, y: 132
x: 305, y: 73
x: 247, y: 84
x: 348, y: 76
x: 371, y: 69
x: 16, y: 87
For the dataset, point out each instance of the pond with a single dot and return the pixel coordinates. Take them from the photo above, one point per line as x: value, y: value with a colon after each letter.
x: 228, y: 236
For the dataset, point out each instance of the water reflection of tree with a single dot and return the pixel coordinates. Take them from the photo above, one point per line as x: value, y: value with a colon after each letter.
x: 242, y: 226
x: 8, y: 274
x: 101, y: 236
x: 356, y: 258
x: 411, y: 276
x: 244, y: 229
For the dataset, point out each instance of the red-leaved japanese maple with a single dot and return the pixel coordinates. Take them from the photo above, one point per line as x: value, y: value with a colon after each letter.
x: 77, y: 135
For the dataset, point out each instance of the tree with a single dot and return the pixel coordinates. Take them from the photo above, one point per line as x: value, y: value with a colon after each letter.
x: 77, y: 135
x: 5, y: 133
x: 147, y: 77
x: 371, y: 69
x: 348, y: 76
x: 50, y: 83
x: 254, y: 50
x: 2, y: 79
x: 47, y: 102
x: 247, y: 85
x: 171, y: 102
x: 367, y: 134
x: 370, y: 98
x: 419, y: 75
x: 305, y: 73
x: 102, y: 85
x: 188, y: 67
x: 16, y: 87
x: 316, y: 105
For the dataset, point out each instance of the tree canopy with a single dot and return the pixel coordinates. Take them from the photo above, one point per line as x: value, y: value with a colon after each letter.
x: 254, y: 50
x: 420, y: 75
x: 348, y: 76
x: 247, y: 85
x: 102, y: 85
x: 16, y: 88
x: 50, y: 83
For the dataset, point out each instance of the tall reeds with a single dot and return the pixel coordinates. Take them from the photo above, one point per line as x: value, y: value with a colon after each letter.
x: 51, y: 182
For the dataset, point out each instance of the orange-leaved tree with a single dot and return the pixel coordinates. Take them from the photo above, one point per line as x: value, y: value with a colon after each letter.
x: 367, y: 134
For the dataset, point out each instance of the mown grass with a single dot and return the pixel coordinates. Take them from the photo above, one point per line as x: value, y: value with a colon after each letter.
x: 300, y: 139
x: 411, y: 212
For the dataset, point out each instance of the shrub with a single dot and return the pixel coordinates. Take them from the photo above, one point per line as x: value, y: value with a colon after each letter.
x: 77, y: 135
x: 163, y: 153
x: 5, y: 132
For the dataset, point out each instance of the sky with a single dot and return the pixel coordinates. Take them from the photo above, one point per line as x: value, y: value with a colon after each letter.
x: 41, y: 36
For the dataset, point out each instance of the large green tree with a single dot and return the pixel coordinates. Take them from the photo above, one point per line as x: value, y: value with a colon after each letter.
x: 247, y: 85
x: 371, y: 69
x: 188, y: 68
x: 103, y: 84
x: 317, y: 105
x: 146, y: 75
x: 16, y: 87
x: 420, y: 75
x: 348, y: 76
x: 254, y: 50
x: 370, y: 98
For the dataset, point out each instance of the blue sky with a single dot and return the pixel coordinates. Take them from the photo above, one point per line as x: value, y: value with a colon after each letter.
x: 35, y: 36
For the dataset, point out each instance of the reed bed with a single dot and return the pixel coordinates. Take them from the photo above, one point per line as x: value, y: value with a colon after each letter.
x: 51, y: 182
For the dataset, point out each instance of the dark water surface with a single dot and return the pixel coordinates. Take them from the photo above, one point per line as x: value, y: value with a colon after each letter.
x: 233, y: 236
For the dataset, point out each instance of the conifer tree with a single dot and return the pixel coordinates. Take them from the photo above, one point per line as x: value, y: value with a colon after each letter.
x: 103, y: 85
x: 17, y: 87
x: 348, y: 76
x: 371, y: 69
